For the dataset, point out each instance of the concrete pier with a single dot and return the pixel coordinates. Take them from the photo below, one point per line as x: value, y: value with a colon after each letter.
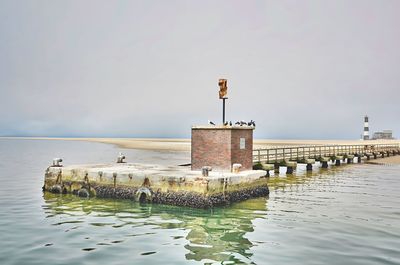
x: 290, y: 166
x: 350, y: 159
x: 267, y: 168
x: 300, y: 154
x: 309, y: 154
x: 158, y: 184
x: 324, y: 162
x: 309, y: 163
x: 276, y: 168
x: 338, y: 160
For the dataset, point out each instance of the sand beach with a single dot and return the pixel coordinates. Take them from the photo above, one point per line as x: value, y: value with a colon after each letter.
x: 391, y: 160
x: 180, y: 144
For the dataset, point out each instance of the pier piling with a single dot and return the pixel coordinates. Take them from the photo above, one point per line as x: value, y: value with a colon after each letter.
x: 276, y: 168
x: 309, y: 154
x: 290, y: 166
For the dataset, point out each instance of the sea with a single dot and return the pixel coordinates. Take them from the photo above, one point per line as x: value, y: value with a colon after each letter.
x: 343, y: 215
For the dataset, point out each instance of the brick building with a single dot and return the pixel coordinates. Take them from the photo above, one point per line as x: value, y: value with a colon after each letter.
x: 385, y: 134
x: 222, y: 146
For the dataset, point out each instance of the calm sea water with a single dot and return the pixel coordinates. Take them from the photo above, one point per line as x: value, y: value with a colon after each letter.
x: 349, y: 215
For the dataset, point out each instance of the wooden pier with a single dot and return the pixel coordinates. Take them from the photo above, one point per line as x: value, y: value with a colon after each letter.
x: 273, y: 158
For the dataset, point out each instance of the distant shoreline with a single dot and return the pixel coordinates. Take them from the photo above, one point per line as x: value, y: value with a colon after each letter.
x: 175, y: 144
x: 160, y: 144
x: 391, y: 160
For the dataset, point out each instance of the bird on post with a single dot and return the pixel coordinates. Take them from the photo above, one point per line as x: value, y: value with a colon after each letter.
x: 120, y: 158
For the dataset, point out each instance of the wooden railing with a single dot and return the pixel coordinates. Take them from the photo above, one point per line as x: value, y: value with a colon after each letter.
x: 299, y: 153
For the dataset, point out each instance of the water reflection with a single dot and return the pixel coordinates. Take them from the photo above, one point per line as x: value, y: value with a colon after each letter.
x: 209, y: 235
x: 302, y: 178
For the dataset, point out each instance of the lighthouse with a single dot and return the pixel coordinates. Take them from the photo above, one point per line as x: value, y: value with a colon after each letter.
x: 366, y: 128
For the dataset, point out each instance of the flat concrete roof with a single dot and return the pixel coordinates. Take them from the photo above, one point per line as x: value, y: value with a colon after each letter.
x: 138, y: 170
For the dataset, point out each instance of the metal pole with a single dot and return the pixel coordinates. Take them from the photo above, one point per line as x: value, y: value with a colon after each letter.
x: 223, y: 110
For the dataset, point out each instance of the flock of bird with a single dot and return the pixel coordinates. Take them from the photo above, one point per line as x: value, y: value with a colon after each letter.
x: 238, y: 123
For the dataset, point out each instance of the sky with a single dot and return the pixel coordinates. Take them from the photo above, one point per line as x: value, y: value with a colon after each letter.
x: 300, y: 69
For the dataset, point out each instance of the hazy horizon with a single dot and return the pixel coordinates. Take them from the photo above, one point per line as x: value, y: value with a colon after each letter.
x: 301, y: 70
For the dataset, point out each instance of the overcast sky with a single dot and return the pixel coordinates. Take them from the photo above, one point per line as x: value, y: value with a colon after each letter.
x: 301, y: 69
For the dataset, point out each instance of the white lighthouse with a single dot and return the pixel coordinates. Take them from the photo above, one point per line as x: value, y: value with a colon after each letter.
x: 366, y: 128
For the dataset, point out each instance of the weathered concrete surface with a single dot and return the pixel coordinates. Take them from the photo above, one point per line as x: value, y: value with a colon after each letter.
x: 155, y: 183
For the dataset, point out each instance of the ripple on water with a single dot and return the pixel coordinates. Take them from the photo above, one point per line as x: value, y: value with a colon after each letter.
x: 148, y: 253
x: 88, y: 249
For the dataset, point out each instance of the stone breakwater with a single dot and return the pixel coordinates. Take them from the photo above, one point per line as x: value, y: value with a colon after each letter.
x: 157, y: 184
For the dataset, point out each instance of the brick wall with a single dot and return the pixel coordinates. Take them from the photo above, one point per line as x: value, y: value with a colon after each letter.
x: 242, y: 156
x: 219, y: 147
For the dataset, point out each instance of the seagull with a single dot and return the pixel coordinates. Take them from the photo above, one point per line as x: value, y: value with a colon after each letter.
x: 230, y: 123
x: 225, y: 123
x: 237, y: 123
x: 210, y: 122
x: 120, y: 158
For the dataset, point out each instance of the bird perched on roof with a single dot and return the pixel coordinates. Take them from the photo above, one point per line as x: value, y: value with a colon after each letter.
x: 252, y: 123
x: 210, y: 122
x: 225, y: 123
x: 230, y: 123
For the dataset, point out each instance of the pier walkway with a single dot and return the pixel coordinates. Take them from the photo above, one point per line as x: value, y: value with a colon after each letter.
x: 273, y: 158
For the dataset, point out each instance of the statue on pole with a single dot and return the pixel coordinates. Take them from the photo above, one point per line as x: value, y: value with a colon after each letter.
x: 223, y: 92
x: 223, y: 88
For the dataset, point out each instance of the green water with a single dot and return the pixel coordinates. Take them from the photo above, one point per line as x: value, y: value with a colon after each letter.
x: 346, y: 215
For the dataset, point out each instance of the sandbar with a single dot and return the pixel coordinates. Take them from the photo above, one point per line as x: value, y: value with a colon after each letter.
x: 179, y: 144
